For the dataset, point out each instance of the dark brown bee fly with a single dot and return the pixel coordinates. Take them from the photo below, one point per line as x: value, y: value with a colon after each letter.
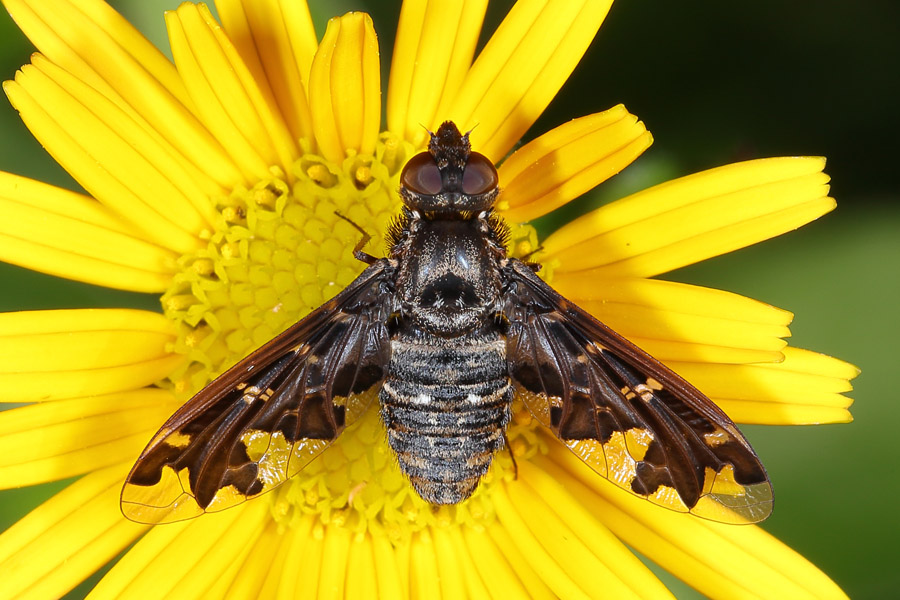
x: 449, y: 328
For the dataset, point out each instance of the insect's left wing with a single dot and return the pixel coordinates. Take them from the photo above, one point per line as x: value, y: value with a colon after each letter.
x: 264, y: 419
x: 629, y: 417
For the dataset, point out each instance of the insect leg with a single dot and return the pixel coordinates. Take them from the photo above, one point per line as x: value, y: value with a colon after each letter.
x: 358, y: 249
x: 512, y: 456
x: 532, y: 265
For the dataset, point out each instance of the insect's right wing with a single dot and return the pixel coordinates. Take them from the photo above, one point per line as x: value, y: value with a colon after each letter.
x: 625, y: 414
x: 264, y: 419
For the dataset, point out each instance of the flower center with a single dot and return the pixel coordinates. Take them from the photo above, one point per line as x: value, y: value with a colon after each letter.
x: 279, y: 250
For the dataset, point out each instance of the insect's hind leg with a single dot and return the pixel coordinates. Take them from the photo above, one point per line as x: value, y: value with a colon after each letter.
x: 511, y: 456
x: 358, y: 253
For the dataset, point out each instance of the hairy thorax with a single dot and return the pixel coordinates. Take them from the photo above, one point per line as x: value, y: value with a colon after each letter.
x: 448, y: 283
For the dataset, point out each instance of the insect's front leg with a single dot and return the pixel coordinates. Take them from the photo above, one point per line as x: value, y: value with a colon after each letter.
x: 358, y: 253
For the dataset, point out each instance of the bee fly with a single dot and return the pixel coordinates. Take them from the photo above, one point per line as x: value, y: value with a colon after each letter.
x: 449, y: 328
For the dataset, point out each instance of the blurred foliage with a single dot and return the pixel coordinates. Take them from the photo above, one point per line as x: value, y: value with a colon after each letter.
x: 715, y: 82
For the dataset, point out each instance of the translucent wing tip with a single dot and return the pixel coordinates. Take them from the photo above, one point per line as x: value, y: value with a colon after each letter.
x: 753, y: 504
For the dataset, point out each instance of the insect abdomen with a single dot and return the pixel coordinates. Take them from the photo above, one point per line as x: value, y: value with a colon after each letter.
x: 445, y: 403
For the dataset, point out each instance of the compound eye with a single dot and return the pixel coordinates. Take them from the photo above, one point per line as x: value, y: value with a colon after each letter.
x: 480, y: 175
x: 421, y: 175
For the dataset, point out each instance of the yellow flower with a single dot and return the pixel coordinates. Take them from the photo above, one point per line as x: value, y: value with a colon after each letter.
x: 214, y: 182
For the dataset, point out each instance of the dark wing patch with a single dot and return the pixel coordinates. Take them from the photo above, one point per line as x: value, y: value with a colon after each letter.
x: 264, y: 419
x: 624, y: 413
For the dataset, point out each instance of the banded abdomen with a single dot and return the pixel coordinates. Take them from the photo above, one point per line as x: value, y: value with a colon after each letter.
x: 445, y: 403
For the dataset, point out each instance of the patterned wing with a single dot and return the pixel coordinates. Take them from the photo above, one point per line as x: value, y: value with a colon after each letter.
x: 629, y: 417
x: 264, y: 419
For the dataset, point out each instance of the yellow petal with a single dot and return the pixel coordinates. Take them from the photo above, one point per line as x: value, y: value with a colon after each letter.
x: 423, y: 568
x: 277, y: 41
x: 566, y: 162
x: 390, y: 576
x: 720, y: 561
x: 469, y: 582
x: 56, y: 354
x: 306, y: 553
x: 345, y: 88
x: 181, y: 193
x: 542, y: 563
x: 62, y: 233
x: 554, y: 551
x: 433, y: 50
x: 694, y: 218
x: 361, y: 578
x: 520, y: 70
x: 676, y: 321
x: 185, y: 558
x: 593, y: 533
x: 54, y: 440
x: 67, y: 538
x: 101, y: 161
x: 227, y: 580
x: 96, y: 44
x: 260, y: 574
x: 404, y: 565
x: 451, y: 565
x: 263, y: 577
x: 40, y: 341
x: 495, y: 570
x: 90, y: 40
x: 805, y: 388
x: 335, y: 553
x: 536, y: 586
x: 480, y: 581
x: 243, y: 118
x: 613, y: 567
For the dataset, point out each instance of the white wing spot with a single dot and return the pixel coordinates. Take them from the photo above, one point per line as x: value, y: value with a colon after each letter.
x: 654, y: 384
x: 716, y: 438
x: 644, y: 392
x: 251, y: 394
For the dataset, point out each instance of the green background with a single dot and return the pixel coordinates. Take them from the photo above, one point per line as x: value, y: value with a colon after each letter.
x: 715, y: 82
